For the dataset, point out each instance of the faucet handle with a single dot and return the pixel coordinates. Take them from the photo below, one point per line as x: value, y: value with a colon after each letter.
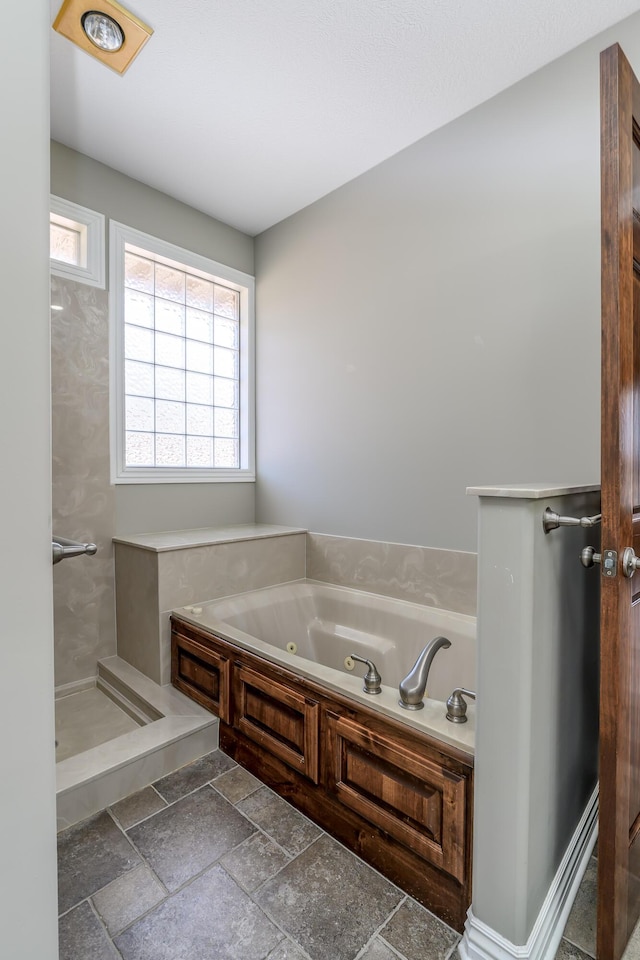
x: 457, y: 705
x: 372, y: 679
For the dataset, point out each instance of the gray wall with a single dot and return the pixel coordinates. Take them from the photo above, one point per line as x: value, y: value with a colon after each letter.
x: 83, y: 180
x: 537, y: 708
x: 27, y: 801
x: 435, y: 322
x: 138, y: 507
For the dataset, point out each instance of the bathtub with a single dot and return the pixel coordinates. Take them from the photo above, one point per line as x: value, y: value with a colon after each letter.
x: 311, y: 628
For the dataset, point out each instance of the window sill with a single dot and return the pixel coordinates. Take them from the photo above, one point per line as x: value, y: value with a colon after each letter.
x: 235, y: 476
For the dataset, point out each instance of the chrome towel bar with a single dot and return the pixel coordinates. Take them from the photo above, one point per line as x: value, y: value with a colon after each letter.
x: 551, y: 521
x: 62, y: 549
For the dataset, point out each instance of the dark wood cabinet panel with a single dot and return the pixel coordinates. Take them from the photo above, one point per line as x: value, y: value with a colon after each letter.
x: 409, y: 796
x: 279, y: 718
x: 202, y: 673
x: 394, y: 795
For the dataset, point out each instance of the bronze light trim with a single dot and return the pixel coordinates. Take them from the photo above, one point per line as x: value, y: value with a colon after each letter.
x: 69, y: 23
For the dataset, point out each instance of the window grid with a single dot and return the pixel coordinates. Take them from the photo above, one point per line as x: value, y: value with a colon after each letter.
x: 182, y: 358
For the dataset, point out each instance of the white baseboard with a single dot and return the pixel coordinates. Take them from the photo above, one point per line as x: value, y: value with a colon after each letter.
x: 481, y: 942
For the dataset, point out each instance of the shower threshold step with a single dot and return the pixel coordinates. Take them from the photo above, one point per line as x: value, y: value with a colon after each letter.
x: 173, y: 731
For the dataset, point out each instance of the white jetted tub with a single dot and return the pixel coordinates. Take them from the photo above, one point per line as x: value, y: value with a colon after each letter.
x: 311, y: 628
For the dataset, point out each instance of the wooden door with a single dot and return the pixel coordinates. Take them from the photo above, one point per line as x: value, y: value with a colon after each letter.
x: 619, y: 843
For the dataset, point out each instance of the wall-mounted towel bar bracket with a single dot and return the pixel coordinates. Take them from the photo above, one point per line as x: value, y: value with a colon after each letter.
x: 551, y: 521
x: 62, y: 549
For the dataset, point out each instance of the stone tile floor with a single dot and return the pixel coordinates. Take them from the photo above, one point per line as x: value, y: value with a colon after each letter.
x: 209, y: 864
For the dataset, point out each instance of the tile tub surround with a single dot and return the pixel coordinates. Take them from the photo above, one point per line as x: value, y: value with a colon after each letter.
x: 157, y: 572
x: 177, y: 731
x: 437, y: 578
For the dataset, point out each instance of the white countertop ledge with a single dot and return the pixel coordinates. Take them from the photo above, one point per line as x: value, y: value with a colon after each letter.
x: 532, y: 491
x: 205, y: 536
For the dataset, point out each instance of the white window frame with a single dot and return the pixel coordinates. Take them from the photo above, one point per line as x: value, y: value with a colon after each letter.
x: 120, y: 235
x: 92, y: 224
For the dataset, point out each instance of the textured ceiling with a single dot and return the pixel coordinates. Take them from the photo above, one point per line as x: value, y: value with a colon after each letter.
x: 251, y: 109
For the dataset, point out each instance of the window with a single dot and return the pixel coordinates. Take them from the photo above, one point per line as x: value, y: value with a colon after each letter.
x: 182, y: 364
x: 76, y: 242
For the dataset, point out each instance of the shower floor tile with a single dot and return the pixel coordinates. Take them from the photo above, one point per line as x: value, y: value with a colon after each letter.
x: 87, y: 719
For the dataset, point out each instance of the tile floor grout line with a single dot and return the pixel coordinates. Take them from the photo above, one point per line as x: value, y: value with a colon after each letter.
x: 292, y: 856
x: 288, y: 803
x: 124, y: 873
x: 61, y: 915
x: 143, y: 820
x: 363, y: 861
x: 145, y: 863
x: 171, y: 803
x: 392, y: 949
x: 145, y: 914
x: 288, y: 935
x: 156, y: 791
x: 167, y: 804
x: 103, y: 925
x: 405, y: 897
x: 574, y: 944
x: 169, y: 896
x: 294, y: 943
x: 377, y: 932
x: 396, y: 953
x: 143, y: 860
x: 187, y: 883
x: 206, y: 783
x: 218, y: 860
x: 259, y: 829
x: 449, y: 955
x: 212, y: 783
x: 250, y: 893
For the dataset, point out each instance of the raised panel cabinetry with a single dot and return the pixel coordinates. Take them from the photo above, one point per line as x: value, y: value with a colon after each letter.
x: 201, y: 670
x: 405, y: 794
x: 394, y: 795
x: 277, y: 717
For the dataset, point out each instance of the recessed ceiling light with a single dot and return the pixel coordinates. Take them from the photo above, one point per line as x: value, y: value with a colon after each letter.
x: 103, y: 29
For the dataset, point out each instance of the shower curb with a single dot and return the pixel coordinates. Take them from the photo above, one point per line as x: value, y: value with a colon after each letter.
x: 176, y: 732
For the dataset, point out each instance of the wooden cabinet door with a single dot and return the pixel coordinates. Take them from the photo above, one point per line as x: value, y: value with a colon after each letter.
x: 281, y: 719
x: 202, y: 673
x: 414, y: 799
x: 619, y: 843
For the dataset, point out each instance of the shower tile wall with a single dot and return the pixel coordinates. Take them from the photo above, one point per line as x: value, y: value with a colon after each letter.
x: 83, y: 499
x: 150, y: 584
x: 436, y: 578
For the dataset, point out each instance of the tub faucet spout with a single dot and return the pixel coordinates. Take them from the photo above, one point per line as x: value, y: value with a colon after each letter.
x: 413, y: 687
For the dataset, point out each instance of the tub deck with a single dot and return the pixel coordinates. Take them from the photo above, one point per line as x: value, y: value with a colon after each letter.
x: 323, y: 624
